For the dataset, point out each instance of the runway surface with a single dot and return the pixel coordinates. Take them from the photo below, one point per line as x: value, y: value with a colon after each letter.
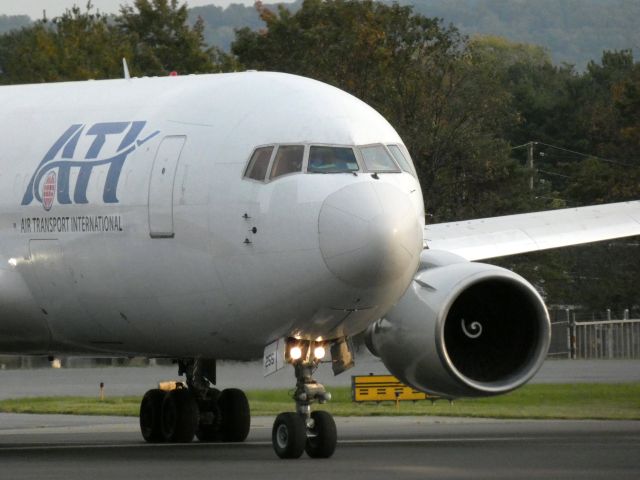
x: 69, y: 448
x: 95, y: 448
x: 137, y: 380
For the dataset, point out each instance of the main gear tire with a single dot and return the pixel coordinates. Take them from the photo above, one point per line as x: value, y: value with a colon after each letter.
x: 151, y: 416
x: 210, y: 417
x: 235, y: 415
x: 180, y: 416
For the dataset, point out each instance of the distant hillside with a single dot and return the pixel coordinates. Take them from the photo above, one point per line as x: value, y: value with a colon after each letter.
x: 8, y: 23
x: 574, y: 31
x: 220, y: 23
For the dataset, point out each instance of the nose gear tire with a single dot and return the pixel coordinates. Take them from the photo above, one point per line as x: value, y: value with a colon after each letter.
x: 289, y: 435
x: 323, y: 436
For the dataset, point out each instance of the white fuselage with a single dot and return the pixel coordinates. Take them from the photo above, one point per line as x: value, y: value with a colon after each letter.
x: 127, y: 226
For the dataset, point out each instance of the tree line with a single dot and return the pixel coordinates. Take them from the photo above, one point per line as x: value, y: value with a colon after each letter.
x: 466, y: 108
x: 574, y: 31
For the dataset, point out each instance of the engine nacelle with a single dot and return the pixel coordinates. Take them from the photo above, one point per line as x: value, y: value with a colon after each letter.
x: 463, y: 329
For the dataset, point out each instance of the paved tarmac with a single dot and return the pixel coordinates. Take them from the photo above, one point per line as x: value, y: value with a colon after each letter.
x: 78, y: 447
x: 137, y: 380
x: 70, y: 448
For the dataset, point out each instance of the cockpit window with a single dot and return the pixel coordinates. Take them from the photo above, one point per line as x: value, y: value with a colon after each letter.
x: 404, y: 162
x: 377, y: 159
x: 324, y: 159
x: 259, y: 163
x: 288, y: 160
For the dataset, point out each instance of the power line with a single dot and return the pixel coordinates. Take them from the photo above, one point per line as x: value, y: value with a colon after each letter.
x: 586, y: 155
x: 547, y: 172
x: 530, y: 159
x: 523, y: 145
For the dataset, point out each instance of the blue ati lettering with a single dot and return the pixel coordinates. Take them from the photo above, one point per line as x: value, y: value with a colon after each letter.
x: 85, y: 148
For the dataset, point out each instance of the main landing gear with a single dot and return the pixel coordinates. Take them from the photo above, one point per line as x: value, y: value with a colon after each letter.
x: 197, y: 409
x: 304, y: 430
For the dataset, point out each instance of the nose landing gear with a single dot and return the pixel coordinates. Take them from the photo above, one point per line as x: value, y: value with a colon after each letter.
x: 304, y: 430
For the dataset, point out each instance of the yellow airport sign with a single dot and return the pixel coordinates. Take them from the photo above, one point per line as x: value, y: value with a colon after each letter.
x: 383, y: 388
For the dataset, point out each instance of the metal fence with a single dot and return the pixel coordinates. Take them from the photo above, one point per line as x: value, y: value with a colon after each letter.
x: 608, y: 339
x: 595, y: 339
x: 560, y: 342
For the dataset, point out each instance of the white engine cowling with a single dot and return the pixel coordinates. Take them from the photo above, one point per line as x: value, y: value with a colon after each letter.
x: 463, y: 329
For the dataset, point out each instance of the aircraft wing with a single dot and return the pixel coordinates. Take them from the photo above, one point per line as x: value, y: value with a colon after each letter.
x: 529, y: 232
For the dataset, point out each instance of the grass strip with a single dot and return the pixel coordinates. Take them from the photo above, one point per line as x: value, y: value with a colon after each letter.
x: 539, y: 401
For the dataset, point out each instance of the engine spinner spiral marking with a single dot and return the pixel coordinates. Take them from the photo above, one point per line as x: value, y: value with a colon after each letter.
x: 474, y: 330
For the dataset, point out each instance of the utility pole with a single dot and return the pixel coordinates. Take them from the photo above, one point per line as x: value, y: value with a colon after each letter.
x: 530, y: 163
x: 529, y: 146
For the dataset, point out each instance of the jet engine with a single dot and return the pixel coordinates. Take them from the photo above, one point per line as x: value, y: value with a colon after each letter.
x: 463, y: 329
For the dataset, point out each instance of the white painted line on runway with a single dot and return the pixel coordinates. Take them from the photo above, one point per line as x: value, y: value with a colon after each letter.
x: 440, y: 440
x: 17, y: 448
x: 381, y: 441
x: 519, y: 438
x: 111, y: 428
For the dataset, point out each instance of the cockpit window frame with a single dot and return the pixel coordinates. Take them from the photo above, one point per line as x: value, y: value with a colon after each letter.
x: 405, y: 154
x: 248, y: 163
x: 357, y: 152
x: 367, y: 170
x: 353, y: 148
x: 274, y: 152
x: 305, y: 156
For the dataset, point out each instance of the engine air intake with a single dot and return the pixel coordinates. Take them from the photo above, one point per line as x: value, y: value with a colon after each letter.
x: 492, y: 330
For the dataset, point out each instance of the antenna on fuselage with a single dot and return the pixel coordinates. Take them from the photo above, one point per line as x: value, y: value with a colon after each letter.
x: 127, y: 76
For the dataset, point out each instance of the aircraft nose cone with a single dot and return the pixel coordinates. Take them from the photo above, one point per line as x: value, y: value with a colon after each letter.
x: 370, y: 234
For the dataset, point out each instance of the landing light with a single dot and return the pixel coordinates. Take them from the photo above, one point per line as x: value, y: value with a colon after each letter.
x: 295, y: 353
x: 319, y: 352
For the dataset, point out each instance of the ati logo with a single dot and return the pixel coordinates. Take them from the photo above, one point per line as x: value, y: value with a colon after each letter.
x: 84, y: 148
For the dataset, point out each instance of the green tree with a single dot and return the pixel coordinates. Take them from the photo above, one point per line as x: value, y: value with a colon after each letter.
x: 626, y: 97
x: 83, y: 44
x: 88, y: 46
x: 605, y: 122
x: 538, y: 90
x: 163, y: 40
x: 26, y: 54
x: 78, y: 45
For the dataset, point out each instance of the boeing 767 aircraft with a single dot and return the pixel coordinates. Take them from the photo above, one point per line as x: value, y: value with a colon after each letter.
x: 249, y: 215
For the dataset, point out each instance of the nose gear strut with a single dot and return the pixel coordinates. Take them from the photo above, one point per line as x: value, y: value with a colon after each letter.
x: 304, y: 430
